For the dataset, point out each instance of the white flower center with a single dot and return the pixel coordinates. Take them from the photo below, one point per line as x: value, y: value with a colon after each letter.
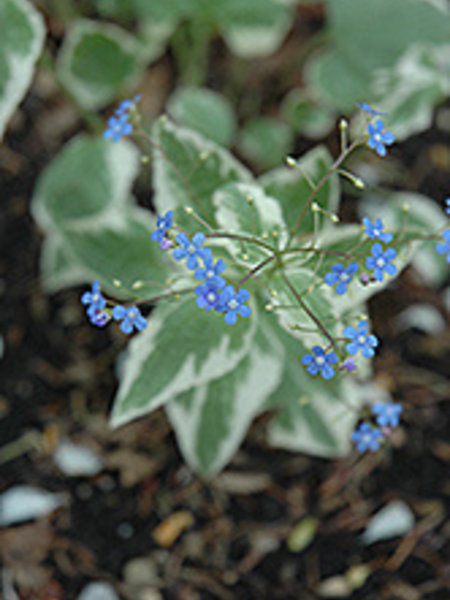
x: 377, y: 137
x: 361, y: 339
x: 95, y: 297
x: 320, y: 360
x: 209, y: 274
x: 232, y: 304
x: 191, y: 249
x: 376, y: 232
x: 344, y: 277
x: 131, y: 314
x: 380, y: 262
x: 211, y: 297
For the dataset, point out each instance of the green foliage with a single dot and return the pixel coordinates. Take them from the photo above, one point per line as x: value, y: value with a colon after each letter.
x: 391, y: 52
x: 265, y: 141
x: 188, y: 169
x: 182, y: 348
x: 204, y: 111
x: 213, y: 378
x: 83, y: 203
x: 97, y: 62
x: 22, y: 35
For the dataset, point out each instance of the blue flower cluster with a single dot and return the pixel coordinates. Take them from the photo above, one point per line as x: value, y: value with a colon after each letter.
x: 321, y: 361
x: 119, y: 125
x: 380, y: 261
x: 213, y: 293
x: 100, y: 315
x: 368, y: 436
x: 378, y: 136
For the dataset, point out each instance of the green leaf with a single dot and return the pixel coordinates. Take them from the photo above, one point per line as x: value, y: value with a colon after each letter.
x: 375, y: 34
x: 122, y: 252
x: 188, y: 169
x: 265, y: 141
x: 183, y: 347
x: 87, y: 182
x: 332, y: 78
x: 211, y: 420
x: 205, y: 111
x: 305, y: 116
x: 22, y: 34
x: 317, y: 416
x: 409, y: 89
x: 97, y: 62
x: 83, y: 200
x: 246, y: 210
x: 291, y: 188
x: 253, y: 28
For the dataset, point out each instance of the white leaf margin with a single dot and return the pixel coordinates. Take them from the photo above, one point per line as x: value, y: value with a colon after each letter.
x: 166, y: 193
x: 263, y: 369
x: 143, y: 345
x: 21, y: 67
x: 123, y: 163
x: 345, y: 412
x: 89, y: 97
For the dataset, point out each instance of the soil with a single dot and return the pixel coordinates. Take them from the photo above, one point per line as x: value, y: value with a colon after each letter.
x: 227, y: 538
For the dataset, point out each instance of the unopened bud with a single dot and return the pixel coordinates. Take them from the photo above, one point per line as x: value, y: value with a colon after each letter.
x: 189, y: 210
x: 315, y: 207
x: 264, y: 236
x: 343, y: 125
x: 145, y: 159
x: 334, y: 218
x: 249, y: 199
x: 137, y: 285
x: 406, y: 207
x: 245, y: 257
x: 291, y: 162
x: 269, y: 307
x: 117, y: 283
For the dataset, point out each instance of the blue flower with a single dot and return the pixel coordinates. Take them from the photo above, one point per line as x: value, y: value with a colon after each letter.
x: 125, y: 105
x: 94, y: 300
x: 100, y: 318
x: 375, y: 230
x: 208, y: 294
x: 341, y: 276
x: 163, y: 224
x: 361, y: 341
x: 366, y: 438
x: 131, y: 318
x: 211, y: 270
x: 369, y: 110
x: 445, y: 247
x: 118, y: 127
x: 379, y: 137
x: 320, y: 362
x: 447, y: 206
x: 348, y: 365
x: 232, y: 303
x: 388, y: 413
x: 380, y: 262
x: 192, y: 250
